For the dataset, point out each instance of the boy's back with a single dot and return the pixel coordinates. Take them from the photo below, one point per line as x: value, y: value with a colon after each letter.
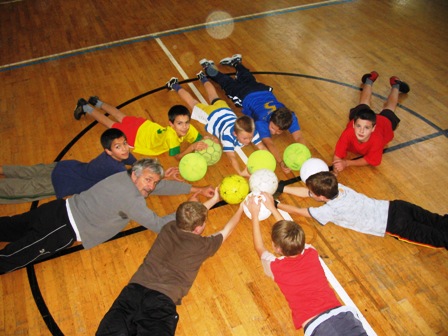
x: 303, y: 283
x: 174, y: 260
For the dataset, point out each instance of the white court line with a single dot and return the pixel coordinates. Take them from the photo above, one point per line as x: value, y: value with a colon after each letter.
x: 330, y: 276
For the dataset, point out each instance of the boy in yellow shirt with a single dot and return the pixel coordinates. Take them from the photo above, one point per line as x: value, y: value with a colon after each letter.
x: 146, y: 136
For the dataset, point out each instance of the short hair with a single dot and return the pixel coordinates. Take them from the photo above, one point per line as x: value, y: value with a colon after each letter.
x: 148, y: 163
x: 109, y: 136
x: 190, y: 215
x: 178, y: 110
x: 365, y: 114
x: 244, y: 124
x: 323, y: 184
x: 289, y: 237
x: 282, y: 118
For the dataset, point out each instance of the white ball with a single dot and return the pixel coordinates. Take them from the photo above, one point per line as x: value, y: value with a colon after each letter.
x: 263, y: 180
x: 311, y: 167
x: 264, y: 212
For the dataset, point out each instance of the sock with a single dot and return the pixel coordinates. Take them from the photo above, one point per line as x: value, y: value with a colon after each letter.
x: 87, y: 108
x: 177, y: 87
x: 204, y: 80
x: 99, y: 103
x: 369, y: 81
x: 396, y: 86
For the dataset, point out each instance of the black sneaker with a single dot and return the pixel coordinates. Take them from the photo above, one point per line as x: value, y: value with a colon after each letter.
x: 79, y: 111
x: 93, y: 100
x: 232, y: 61
x: 404, y: 87
x: 201, y: 75
x: 171, y: 82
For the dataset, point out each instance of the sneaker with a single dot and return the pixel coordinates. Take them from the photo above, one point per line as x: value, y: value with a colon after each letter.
x: 201, y: 75
x: 209, y: 67
x: 79, y: 111
x: 404, y: 87
x: 171, y: 82
x: 232, y: 61
x: 93, y: 100
x: 372, y: 76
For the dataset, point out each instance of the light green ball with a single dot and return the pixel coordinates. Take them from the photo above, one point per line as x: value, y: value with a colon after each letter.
x: 193, y: 167
x: 295, y: 155
x: 234, y: 189
x: 212, y: 153
x: 261, y: 159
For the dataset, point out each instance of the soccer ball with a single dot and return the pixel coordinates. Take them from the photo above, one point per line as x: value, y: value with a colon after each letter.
x: 261, y: 159
x: 311, y: 167
x: 212, y: 153
x: 264, y: 212
x: 192, y: 167
x: 234, y: 189
x: 295, y: 155
x: 263, y: 180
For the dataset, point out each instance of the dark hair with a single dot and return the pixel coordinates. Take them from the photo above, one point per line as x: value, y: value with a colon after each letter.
x: 190, y: 215
x: 282, y: 118
x: 323, y: 184
x: 178, y: 110
x: 289, y: 237
x: 244, y: 124
x: 366, y: 114
x: 109, y: 136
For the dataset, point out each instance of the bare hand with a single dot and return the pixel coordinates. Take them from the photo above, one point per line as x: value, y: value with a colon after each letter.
x: 207, y: 191
x: 285, y: 169
x: 269, y: 202
x: 253, y: 206
x: 173, y: 174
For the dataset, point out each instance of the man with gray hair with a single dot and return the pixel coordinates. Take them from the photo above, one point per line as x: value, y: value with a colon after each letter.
x: 91, y: 217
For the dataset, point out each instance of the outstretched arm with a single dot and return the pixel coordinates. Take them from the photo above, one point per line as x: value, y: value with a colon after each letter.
x: 270, y: 205
x: 294, y: 210
x: 235, y: 164
x: 340, y: 164
x: 296, y: 191
x: 231, y: 224
x: 254, y: 209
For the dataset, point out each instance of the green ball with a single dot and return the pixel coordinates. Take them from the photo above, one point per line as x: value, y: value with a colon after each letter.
x: 295, y: 155
x: 261, y: 159
x: 193, y: 167
x: 234, y: 189
x: 212, y: 153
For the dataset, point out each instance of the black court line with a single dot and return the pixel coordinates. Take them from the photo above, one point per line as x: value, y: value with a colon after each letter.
x: 34, y: 285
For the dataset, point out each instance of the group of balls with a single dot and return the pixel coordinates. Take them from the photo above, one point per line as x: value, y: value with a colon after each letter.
x: 261, y: 164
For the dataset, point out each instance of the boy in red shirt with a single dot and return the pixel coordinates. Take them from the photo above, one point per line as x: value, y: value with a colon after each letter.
x: 367, y: 133
x: 301, y: 278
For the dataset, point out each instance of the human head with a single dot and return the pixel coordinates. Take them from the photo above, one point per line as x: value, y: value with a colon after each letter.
x: 323, y: 184
x: 191, y: 217
x: 364, y: 123
x: 289, y: 237
x: 145, y: 174
x: 280, y: 120
x: 179, y: 118
x: 244, y: 129
x: 115, y: 144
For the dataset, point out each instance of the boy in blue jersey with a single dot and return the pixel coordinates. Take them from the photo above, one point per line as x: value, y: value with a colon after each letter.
x: 30, y: 183
x: 257, y: 100
x: 221, y: 121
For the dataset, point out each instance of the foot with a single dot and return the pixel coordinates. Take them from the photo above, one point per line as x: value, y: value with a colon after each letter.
x: 93, y: 100
x: 79, y: 111
x: 209, y: 67
x: 201, y: 75
x: 232, y: 61
x: 404, y: 87
x: 171, y: 83
x: 372, y: 76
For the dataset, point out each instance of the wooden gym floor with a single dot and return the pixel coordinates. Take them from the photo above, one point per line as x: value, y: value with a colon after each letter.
x: 313, y: 54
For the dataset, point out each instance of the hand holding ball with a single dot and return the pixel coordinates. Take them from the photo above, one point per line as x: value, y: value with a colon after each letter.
x: 264, y: 212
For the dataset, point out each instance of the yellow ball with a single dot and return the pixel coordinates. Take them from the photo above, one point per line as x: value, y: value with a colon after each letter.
x: 193, y: 167
x: 234, y: 189
x: 261, y: 159
x: 295, y: 155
